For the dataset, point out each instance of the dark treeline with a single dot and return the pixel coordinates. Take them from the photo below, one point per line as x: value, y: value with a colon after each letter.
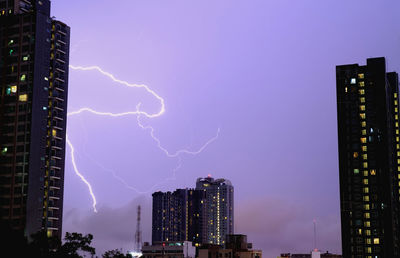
x: 76, y: 245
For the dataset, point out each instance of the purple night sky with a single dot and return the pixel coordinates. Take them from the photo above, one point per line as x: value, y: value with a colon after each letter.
x: 261, y: 71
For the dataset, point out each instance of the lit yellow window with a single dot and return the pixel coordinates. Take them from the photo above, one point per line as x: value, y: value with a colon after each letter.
x: 367, y: 224
x: 397, y: 138
x: 362, y: 107
x: 365, y: 156
x: 366, y: 207
x: 365, y: 172
x: 364, y: 148
x: 364, y: 140
x: 366, y: 190
x: 395, y: 102
x: 373, y: 172
x: 398, y: 161
x: 49, y: 233
x: 54, y: 132
x: 398, y: 176
x: 397, y: 124
x: 397, y: 131
x: 361, y: 84
x: 23, y: 98
x: 376, y: 241
x: 355, y: 154
x: 360, y: 231
x: 369, y: 250
x: 396, y: 110
x: 368, y: 232
x: 366, y: 198
x: 364, y: 132
x: 362, y: 115
x: 367, y: 215
x: 368, y: 241
x: 396, y: 117
x: 362, y: 100
x: 345, y: 89
x: 365, y: 165
x: 23, y: 77
x: 398, y: 146
x: 360, y: 76
x: 363, y: 123
x: 361, y: 92
x: 365, y: 181
x: 14, y: 89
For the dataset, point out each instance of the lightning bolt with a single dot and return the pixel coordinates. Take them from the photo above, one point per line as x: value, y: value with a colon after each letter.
x: 138, y: 114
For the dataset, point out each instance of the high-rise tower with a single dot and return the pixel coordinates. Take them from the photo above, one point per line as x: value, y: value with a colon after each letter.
x: 179, y: 216
x: 34, y: 54
x: 369, y: 159
x: 219, y: 195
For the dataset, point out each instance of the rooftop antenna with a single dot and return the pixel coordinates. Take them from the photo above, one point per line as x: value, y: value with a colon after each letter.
x: 138, y: 234
x: 315, y: 234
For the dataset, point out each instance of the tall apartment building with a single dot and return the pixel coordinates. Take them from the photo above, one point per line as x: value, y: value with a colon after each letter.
x: 219, y: 194
x: 179, y: 216
x: 34, y: 54
x: 369, y: 159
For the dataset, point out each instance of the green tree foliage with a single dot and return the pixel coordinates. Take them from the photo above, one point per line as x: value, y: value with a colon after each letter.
x: 75, y: 244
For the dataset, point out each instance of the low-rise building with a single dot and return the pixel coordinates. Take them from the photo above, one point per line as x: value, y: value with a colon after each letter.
x: 183, y: 249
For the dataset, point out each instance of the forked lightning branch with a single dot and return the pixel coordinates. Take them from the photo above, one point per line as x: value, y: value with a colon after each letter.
x: 138, y: 113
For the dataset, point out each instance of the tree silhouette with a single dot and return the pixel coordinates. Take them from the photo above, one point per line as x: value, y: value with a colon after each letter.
x: 116, y: 254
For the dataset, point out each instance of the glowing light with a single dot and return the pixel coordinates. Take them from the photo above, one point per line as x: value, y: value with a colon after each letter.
x: 138, y: 113
x: 80, y: 175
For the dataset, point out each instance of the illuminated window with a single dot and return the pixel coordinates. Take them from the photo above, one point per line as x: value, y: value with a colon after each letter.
x: 395, y: 95
x: 376, y: 241
x: 49, y: 233
x: 366, y: 190
x: 366, y: 207
x: 345, y: 89
x: 373, y: 172
x: 356, y: 171
x: 395, y: 102
x: 365, y: 181
x: 396, y: 110
x: 361, y: 92
x: 25, y: 58
x: 14, y: 89
x: 23, y: 78
x: 364, y: 140
x: 364, y: 148
x: 369, y: 250
x: 368, y: 241
x: 366, y: 198
x: 367, y: 215
x: 360, y: 231
x: 365, y: 172
x: 361, y: 84
x: 4, y: 150
x: 364, y: 132
x: 365, y: 156
x: 397, y: 131
x: 368, y: 232
x: 355, y: 154
x: 365, y: 165
x: 362, y: 107
x: 54, y: 132
x: 367, y: 224
x: 23, y: 97
x: 363, y: 124
x: 362, y: 115
x: 360, y: 76
x: 353, y: 81
x: 362, y: 100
